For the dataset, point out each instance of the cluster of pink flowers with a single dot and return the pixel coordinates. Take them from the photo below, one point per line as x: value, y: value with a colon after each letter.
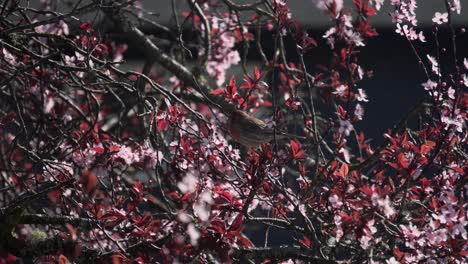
x: 222, y: 54
x: 434, y: 238
x: 404, y: 17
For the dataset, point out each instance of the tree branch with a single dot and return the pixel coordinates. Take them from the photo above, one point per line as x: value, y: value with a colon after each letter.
x: 42, y: 219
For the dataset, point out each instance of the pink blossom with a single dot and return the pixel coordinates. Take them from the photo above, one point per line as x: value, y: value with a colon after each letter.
x: 410, y: 231
x: 222, y: 54
x: 429, y: 85
x: 9, y: 57
x: 365, y: 241
x: 456, y: 122
x: 345, y: 153
x: 361, y: 95
x: 402, y: 30
x: 49, y: 103
x: 341, y: 90
x: 440, y: 18
x: 290, y: 261
x: 434, y: 63
x: 84, y: 158
x: 150, y: 157
x: 193, y: 233
x: 335, y: 201
x: 188, y: 184
x: 126, y: 154
x: 339, y: 229
x: 405, y: 11
x: 421, y: 37
x: 184, y: 217
x: 353, y: 38
x: 456, y: 6
x: 325, y: 5
x: 60, y: 28
x: 448, y: 216
x: 359, y: 111
x: 460, y: 229
x: 345, y: 127
x: 386, y: 207
x: 118, y: 51
x: 410, y: 33
x: 378, y: 3
x: 360, y: 73
x: 202, y: 206
x: 370, y: 227
x: 329, y: 35
x: 392, y: 260
x: 451, y: 92
x: 437, y: 237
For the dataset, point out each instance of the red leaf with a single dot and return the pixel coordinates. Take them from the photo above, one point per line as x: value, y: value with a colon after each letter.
x: 302, y: 169
x: 344, y: 170
x: 89, y: 181
x: 114, y: 215
x: 459, y: 170
x: 114, y: 148
x: 133, y: 77
x: 63, y: 260
x: 357, y: 3
x: 426, y: 147
x: 119, y: 258
x: 72, y: 231
x: 237, y: 223
x: 10, y: 258
x: 54, y: 196
x: 296, y: 151
x: 257, y: 74
x: 98, y: 150
x: 342, y: 112
x: 218, y: 91
x: 305, y: 242
x: 139, y: 260
x: 244, y: 241
x: 86, y: 26
x: 398, y: 253
x: 218, y: 227
x: 231, y: 88
x: 162, y: 124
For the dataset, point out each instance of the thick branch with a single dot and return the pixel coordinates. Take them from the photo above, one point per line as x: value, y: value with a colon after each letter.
x: 41, y: 219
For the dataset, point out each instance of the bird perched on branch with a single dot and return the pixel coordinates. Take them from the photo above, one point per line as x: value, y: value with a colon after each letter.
x: 250, y: 131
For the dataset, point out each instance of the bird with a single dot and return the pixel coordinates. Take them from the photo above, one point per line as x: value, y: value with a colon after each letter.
x: 251, y: 131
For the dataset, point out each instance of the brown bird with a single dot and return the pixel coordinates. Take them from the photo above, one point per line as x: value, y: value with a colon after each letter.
x: 250, y: 131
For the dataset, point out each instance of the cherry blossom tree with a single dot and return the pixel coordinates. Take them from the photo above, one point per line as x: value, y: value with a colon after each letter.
x: 105, y: 163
